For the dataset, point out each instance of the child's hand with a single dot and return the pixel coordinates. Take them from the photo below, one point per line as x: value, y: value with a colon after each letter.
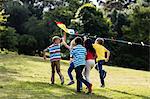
x: 71, y: 59
x: 107, y: 59
x: 44, y: 57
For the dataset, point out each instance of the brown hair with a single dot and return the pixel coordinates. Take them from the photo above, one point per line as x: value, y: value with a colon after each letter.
x: 100, y: 41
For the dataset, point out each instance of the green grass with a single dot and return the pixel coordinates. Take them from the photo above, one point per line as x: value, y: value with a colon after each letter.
x: 28, y: 77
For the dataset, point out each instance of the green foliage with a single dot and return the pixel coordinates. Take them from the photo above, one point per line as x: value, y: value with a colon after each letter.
x: 18, y: 15
x: 92, y: 21
x: 9, y: 39
x: 3, y: 19
x: 39, y: 29
x: 139, y: 25
x: 27, y: 44
x: 118, y: 19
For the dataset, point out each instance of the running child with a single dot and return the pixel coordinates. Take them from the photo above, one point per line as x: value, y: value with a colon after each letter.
x: 90, y: 58
x: 102, y: 57
x: 55, y: 57
x: 71, y: 67
x: 78, y: 54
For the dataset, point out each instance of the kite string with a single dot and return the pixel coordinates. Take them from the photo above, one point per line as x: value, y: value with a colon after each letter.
x: 120, y: 41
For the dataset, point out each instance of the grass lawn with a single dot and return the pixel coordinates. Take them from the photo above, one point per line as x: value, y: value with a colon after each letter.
x: 28, y: 77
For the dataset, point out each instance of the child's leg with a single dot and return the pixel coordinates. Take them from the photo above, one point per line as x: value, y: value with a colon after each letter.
x: 53, y: 72
x: 104, y: 73
x: 70, y: 69
x: 87, y: 71
x: 89, y: 65
x: 100, y: 63
x: 80, y: 85
x: 78, y: 73
x: 59, y: 72
x: 80, y: 79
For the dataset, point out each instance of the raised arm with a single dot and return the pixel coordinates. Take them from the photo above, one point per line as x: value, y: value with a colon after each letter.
x: 65, y: 44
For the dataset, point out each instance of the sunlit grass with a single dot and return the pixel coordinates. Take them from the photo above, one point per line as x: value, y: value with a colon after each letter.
x: 29, y: 77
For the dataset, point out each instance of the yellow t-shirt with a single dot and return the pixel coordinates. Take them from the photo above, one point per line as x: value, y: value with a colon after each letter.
x: 100, y: 51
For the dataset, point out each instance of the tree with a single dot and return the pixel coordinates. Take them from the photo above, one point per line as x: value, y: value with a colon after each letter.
x: 3, y: 19
x: 39, y: 30
x: 27, y: 44
x: 18, y: 15
x: 136, y: 30
x: 139, y: 25
x: 93, y: 21
x: 9, y: 39
x: 118, y: 19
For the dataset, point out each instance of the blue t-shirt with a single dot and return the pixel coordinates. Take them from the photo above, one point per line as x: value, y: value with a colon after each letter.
x: 79, y: 55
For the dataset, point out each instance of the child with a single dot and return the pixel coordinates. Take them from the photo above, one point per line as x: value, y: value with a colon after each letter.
x: 101, y: 59
x: 55, y: 57
x: 78, y: 54
x: 90, y: 58
x: 71, y: 67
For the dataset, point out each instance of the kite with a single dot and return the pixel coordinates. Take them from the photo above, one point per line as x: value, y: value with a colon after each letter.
x: 62, y: 26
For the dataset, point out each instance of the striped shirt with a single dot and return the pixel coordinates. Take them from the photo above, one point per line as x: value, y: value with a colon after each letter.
x: 78, y: 54
x: 54, y: 51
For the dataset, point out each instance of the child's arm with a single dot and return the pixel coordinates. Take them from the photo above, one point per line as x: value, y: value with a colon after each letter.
x: 108, y: 55
x: 71, y: 55
x: 44, y: 53
x: 65, y: 44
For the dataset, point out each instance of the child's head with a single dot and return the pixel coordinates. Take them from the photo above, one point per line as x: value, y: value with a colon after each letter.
x: 78, y: 40
x: 89, y: 45
x: 56, y: 39
x: 99, y: 41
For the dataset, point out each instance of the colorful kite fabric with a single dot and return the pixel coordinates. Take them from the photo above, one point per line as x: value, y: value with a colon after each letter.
x: 62, y: 26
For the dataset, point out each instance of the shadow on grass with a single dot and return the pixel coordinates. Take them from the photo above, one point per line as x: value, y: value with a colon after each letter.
x: 123, y: 92
x: 35, y: 58
x: 6, y: 74
x: 43, y: 90
x: 4, y: 70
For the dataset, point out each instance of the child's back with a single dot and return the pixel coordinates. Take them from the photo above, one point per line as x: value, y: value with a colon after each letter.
x: 79, y: 55
x: 100, y: 51
x: 101, y: 58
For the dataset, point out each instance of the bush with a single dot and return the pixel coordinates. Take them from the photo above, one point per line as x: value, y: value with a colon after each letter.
x: 9, y: 39
x: 27, y: 44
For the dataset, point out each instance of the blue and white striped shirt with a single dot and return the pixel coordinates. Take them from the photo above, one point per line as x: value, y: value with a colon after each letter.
x: 54, y: 51
x: 79, y: 55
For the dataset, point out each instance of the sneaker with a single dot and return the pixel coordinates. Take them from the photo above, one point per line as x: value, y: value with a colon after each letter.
x: 62, y: 80
x: 70, y: 83
x: 52, y: 83
x: 90, y: 89
x: 102, y: 86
